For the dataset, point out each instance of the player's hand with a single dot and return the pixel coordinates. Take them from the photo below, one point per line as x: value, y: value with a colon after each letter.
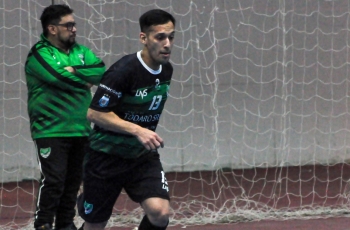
x: 150, y: 140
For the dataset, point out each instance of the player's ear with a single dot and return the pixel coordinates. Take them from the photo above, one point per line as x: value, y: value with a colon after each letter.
x: 143, y: 38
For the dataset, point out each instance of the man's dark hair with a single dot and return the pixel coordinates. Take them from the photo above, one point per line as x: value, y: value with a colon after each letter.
x: 153, y: 18
x: 52, y: 15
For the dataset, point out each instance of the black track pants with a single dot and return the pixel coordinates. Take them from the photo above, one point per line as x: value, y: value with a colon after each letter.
x: 60, y: 161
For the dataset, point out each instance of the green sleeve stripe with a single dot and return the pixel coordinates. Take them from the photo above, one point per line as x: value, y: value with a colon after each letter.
x: 51, y: 70
x: 102, y: 64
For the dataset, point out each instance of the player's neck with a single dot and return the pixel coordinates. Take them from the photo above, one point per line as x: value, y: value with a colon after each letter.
x: 149, y: 61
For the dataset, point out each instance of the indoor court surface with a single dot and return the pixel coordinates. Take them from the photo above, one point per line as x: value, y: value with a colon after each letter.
x: 21, y: 194
x: 341, y: 223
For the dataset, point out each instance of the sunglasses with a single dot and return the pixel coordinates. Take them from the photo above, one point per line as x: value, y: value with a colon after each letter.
x: 68, y: 25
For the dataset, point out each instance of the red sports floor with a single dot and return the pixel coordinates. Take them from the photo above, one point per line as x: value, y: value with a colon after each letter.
x: 316, y: 185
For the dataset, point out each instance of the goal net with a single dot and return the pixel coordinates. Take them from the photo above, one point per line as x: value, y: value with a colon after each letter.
x: 257, y: 125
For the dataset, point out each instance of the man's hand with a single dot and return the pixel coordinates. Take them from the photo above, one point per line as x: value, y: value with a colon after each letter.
x: 70, y: 69
x: 149, y: 139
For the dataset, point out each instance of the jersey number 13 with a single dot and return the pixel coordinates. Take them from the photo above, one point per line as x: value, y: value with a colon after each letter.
x: 155, y: 102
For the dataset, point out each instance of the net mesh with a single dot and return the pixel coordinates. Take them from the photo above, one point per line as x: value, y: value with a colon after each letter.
x: 257, y: 124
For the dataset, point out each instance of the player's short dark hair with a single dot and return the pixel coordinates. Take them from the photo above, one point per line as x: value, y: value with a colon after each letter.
x: 52, y: 15
x: 154, y: 17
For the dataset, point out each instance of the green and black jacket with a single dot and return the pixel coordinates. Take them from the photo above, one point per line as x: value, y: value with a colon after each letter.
x: 57, y: 99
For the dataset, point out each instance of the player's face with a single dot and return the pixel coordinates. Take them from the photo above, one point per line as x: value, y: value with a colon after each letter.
x: 158, y: 44
x: 66, y: 31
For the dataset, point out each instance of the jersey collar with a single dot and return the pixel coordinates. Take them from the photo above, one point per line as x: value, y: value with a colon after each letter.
x: 158, y: 71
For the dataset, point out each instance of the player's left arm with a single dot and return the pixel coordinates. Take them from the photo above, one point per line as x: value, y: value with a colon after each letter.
x: 92, y: 69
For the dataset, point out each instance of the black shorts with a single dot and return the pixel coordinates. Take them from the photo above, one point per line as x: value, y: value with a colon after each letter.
x: 106, y: 175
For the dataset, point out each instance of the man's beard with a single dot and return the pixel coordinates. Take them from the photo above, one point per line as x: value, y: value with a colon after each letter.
x: 68, y: 43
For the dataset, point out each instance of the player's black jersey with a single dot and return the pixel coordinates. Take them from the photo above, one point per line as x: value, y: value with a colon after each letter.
x: 137, y: 94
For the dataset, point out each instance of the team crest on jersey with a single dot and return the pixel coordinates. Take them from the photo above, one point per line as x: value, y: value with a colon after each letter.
x: 103, y: 102
x: 45, y: 152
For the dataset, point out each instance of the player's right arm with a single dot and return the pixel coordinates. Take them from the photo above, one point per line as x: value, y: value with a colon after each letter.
x: 42, y: 65
x: 112, y: 122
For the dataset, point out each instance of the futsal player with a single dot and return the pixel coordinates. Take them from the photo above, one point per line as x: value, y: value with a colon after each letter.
x: 126, y: 109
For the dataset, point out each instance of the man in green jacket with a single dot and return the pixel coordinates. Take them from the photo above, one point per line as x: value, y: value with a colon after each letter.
x: 59, y: 74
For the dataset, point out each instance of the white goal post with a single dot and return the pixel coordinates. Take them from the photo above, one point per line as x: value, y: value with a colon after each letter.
x: 258, y: 87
